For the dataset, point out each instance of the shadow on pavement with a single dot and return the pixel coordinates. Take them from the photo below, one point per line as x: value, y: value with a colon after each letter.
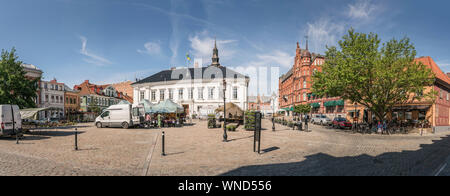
x: 422, y: 162
x: 264, y: 151
x: 52, y: 133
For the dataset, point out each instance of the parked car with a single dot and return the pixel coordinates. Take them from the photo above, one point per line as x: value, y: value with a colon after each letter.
x: 324, y: 120
x: 315, y: 119
x: 340, y: 123
x: 10, y: 120
x: 122, y: 115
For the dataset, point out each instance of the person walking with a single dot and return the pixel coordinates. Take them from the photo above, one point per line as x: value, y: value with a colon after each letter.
x: 380, y: 127
x: 159, y: 121
x: 385, y: 127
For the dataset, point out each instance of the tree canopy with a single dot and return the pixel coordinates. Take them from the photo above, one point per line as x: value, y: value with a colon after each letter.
x: 302, y: 109
x: 376, y: 77
x: 15, y: 88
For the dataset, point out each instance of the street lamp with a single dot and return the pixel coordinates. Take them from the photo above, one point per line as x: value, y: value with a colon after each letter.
x: 224, y: 112
x: 273, y: 113
x: 355, y: 118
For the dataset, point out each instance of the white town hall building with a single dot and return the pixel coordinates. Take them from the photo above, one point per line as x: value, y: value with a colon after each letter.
x: 198, y: 90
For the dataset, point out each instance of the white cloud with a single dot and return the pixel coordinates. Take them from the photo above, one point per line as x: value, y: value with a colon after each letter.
x: 90, y: 57
x: 202, y: 46
x: 324, y: 32
x: 274, y: 58
x: 151, y: 48
x: 361, y: 9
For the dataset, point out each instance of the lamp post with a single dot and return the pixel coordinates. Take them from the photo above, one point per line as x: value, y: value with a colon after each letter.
x: 224, y: 112
x: 273, y: 113
x: 355, y: 120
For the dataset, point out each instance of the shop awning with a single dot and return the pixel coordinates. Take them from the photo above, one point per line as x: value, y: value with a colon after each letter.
x: 340, y: 102
x: 315, y: 105
x: 329, y: 104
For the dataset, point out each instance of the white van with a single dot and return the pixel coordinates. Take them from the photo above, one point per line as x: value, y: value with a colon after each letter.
x: 122, y: 115
x: 10, y: 120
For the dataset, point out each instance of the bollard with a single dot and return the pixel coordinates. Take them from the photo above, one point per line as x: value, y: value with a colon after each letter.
x: 76, y: 139
x: 17, y: 137
x: 163, y: 144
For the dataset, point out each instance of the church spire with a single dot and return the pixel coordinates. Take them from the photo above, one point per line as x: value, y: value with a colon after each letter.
x: 306, y: 42
x: 215, y: 57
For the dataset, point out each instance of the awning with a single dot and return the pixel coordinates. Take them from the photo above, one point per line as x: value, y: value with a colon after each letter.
x: 329, y: 104
x: 288, y: 109
x: 340, y: 103
x: 315, y: 105
x: 31, y: 113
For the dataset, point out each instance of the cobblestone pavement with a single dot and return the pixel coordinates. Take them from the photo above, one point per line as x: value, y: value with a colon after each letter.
x: 197, y: 151
x: 286, y: 152
x: 101, y: 152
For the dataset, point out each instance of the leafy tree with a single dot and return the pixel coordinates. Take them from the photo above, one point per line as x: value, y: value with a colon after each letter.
x: 15, y: 88
x: 302, y: 109
x: 377, y: 78
x: 93, y: 107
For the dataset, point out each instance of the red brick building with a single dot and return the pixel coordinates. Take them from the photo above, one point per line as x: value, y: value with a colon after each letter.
x: 295, y: 85
x: 295, y: 89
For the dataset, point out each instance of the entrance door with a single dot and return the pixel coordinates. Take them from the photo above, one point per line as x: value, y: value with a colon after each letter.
x: 186, y: 110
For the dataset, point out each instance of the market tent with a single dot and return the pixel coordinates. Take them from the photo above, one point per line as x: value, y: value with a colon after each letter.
x: 167, y: 106
x: 123, y: 102
x: 232, y: 109
x: 31, y: 113
x: 147, y: 106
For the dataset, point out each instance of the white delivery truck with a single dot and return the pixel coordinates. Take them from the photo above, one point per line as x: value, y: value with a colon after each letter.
x: 10, y: 120
x: 121, y: 115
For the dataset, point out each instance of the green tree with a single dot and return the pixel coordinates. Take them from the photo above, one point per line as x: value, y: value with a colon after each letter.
x: 377, y: 78
x: 302, y: 109
x: 15, y: 88
x: 93, y: 107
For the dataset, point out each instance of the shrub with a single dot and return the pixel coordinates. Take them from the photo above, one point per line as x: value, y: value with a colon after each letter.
x: 231, y: 127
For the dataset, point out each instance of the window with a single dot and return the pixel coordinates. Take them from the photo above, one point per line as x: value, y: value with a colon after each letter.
x: 161, y: 95
x: 142, y: 95
x: 180, y: 94
x: 105, y: 114
x: 200, y: 93
x: 45, y: 86
x: 153, y: 95
x: 191, y: 93
x: 67, y: 100
x: 304, y: 96
x: 171, y: 94
x: 447, y: 96
x: 46, y: 98
x: 235, y: 93
x: 304, y: 84
x: 442, y: 94
x: 211, y: 93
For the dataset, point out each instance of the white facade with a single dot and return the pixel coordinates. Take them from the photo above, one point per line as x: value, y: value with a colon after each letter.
x: 199, y: 97
x: 52, y: 95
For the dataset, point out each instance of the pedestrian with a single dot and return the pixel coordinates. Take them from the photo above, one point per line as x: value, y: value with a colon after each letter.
x: 380, y: 127
x: 385, y: 126
x: 159, y: 121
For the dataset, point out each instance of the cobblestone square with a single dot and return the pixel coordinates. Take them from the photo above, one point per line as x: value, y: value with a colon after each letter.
x: 198, y: 151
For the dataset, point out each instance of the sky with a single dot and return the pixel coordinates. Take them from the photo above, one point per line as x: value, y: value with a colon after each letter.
x: 110, y: 41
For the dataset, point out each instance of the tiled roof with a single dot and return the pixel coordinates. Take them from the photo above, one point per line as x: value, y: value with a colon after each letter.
x: 166, y: 75
x: 434, y: 67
